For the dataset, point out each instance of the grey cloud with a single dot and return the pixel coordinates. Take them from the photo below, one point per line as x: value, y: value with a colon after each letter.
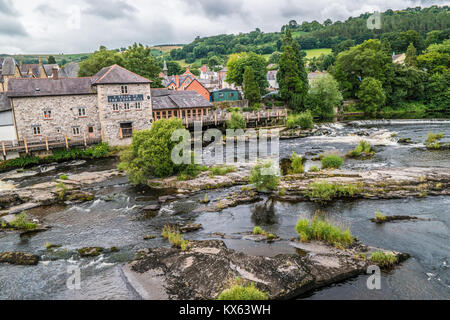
x: 219, y: 8
x: 10, y: 25
x: 47, y: 10
x: 110, y: 9
x: 6, y: 7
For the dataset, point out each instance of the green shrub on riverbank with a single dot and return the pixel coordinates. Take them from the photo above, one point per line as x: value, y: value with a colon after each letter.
x: 296, y: 164
x: 101, y: 150
x: 175, y: 237
x: 222, y: 170
x: 332, y: 161
x: 321, y: 230
x: 303, y: 120
x: 324, y: 191
x: 237, y: 121
x: 239, y: 292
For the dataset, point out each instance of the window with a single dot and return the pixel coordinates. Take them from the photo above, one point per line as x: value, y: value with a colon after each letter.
x: 76, y: 131
x: 47, y: 114
x: 126, y: 106
x: 116, y: 107
x: 124, y: 89
x: 58, y: 130
x: 90, y: 130
x: 138, y: 106
x: 82, y: 112
x: 37, y: 130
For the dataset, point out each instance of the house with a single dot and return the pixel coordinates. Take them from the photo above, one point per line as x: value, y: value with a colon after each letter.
x: 186, y: 82
x: 272, y: 79
x: 225, y: 95
x: 399, y: 58
x: 110, y: 105
x: 179, y: 104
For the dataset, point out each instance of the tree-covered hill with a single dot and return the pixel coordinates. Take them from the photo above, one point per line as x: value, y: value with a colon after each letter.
x: 314, y: 35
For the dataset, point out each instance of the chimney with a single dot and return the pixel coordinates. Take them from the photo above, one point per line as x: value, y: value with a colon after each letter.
x: 55, y: 73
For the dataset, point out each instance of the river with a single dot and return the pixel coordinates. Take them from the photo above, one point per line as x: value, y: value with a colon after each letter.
x: 115, y: 218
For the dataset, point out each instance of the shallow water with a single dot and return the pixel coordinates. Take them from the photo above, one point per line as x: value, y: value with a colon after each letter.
x: 115, y: 218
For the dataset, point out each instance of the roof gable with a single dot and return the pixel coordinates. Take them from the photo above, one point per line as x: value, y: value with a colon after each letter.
x: 117, y: 75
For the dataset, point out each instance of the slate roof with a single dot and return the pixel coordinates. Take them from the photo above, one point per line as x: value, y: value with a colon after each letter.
x: 168, y: 99
x: 5, y: 102
x: 35, y: 69
x: 50, y: 87
x: 9, y: 66
x: 117, y: 75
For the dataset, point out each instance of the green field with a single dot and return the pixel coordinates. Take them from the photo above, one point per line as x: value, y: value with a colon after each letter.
x: 315, y: 53
x: 60, y: 58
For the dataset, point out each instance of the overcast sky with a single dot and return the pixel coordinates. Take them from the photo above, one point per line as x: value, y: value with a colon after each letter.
x: 78, y: 26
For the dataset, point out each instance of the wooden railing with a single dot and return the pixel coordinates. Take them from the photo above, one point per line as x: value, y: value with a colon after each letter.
x: 46, y: 144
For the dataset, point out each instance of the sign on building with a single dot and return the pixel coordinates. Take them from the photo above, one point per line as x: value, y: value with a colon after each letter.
x: 127, y: 98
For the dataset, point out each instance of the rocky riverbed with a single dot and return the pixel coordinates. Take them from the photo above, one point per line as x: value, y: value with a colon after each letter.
x: 204, y: 271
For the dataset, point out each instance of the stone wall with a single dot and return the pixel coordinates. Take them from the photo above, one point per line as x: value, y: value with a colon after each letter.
x: 29, y: 112
x: 111, y: 120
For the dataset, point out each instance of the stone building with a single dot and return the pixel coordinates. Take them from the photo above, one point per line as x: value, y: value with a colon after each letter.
x: 110, y: 105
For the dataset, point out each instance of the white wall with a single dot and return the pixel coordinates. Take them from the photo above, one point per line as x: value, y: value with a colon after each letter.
x: 7, y: 133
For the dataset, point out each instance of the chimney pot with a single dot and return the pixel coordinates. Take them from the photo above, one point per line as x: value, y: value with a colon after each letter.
x: 55, y: 73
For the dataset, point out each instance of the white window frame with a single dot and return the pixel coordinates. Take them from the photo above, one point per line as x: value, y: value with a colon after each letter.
x: 48, y: 114
x: 37, y: 130
x: 115, y: 107
x: 126, y: 106
x: 82, y: 112
x: 76, y: 131
x: 124, y: 89
x: 138, y: 106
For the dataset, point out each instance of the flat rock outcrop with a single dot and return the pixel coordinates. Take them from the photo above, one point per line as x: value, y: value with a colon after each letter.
x: 203, y: 272
x: 19, y: 258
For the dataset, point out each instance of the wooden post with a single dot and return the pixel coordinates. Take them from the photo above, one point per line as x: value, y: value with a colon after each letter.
x: 120, y: 133
x: 102, y: 135
x: 85, y: 141
x: 215, y: 119
x: 46, y: 144
x: 4, y: 148
x: 67, y: 142
x: 26, y: 145
x: 259, y: 116
x: 247, y: 117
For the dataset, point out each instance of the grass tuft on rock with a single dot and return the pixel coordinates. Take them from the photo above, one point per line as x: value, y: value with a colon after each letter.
x: 175, y: 238
x: 364, y: 149
x: 325, y: 191
x: 332, y: 161
x: 322, y: 230
x: 240, y: 292
x: 22, y: 222
x: 383, y: 259
x: 380, y: 217
x: 222, y: 170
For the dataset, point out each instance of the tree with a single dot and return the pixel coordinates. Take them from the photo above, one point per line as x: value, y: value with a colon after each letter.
x: 292, y: 77
x: 411, y: 56
x: 140, y: 60
x: 174, y: 68
x: 371, y: 95
x: 323, y: 97
x: 251, y: 88
x: 150, y: 153
x: 436, y: 57
x: 98, y: 60
x: 214, y: 62
x: 237, y: 121
x: 408, y: 85
x: 274, y: 58
x: 51, y: 60
x: 369, y: 59
x: 438, y: 91
x: 236, y: 67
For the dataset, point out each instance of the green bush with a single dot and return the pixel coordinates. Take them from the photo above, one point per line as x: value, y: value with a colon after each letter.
x: 297, y: 164
x: 240, y: 292
x: 321, y: 230
x: 63, y: 177
x: 265, y: 176
x: 258, y: 231
x: 433, y: 140
x: 231, y: 110
x: 22, y: 222
x: 325, y: 191
x: 237, y: 121
x: 380, y: 217
x: 384, y: 260
x: 314, y: 169
x: 279, y: 103
x: 332, y: 161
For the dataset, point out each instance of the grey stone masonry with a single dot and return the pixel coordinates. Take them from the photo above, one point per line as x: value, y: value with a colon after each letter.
x: 56, y: 116
x: 122, y: 105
